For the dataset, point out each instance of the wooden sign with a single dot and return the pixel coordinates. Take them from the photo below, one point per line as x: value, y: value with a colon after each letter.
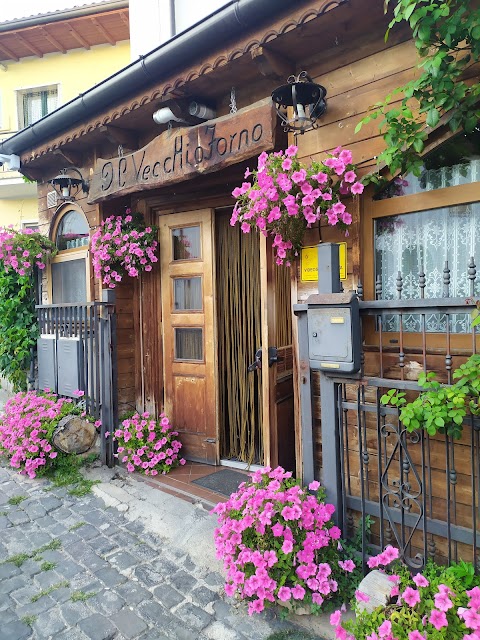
x: 181, y: 154
x: 309, y: 262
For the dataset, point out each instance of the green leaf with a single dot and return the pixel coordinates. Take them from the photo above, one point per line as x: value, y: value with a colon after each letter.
x: 432, y: 118
x: 418, y: 145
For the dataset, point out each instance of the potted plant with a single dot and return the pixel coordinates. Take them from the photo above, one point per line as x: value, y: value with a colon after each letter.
x: 441, y: 603
x: 123, y: 246
x: 147, y: 445
x: 282, y: 198
x: 25, y: 249
x: 280, y: 546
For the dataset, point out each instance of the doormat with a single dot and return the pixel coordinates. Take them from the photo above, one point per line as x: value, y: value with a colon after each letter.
x: 225, y: 481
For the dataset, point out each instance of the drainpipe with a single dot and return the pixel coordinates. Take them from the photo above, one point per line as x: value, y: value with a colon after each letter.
x: 173, y: 25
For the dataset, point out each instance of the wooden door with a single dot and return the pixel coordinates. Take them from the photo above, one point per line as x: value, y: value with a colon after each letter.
x: 277, y: 377
x: 189, y: 331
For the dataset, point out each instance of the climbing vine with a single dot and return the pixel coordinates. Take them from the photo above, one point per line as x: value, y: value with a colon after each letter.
x: 18, y: 328
x: 446, y: 34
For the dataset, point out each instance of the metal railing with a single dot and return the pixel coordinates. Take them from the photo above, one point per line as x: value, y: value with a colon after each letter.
x: 93, y: 324
x: 422, y: 492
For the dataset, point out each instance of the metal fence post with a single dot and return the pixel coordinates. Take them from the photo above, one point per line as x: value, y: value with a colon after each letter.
x: 329, y: 282
x: 109, y: 410
x: 308, y: 452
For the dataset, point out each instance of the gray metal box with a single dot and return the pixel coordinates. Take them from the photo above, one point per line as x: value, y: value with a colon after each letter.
x: 68, y: 351
x: 47, y: 369
x: 330, y: 335
x: 333, y: 322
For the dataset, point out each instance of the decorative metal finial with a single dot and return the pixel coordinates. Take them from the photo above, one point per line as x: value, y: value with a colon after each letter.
x: 446, y: 280
x: 233, y: 101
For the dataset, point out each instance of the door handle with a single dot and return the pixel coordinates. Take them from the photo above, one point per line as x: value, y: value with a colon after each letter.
x: 273, y: 358
x: 257, y: 364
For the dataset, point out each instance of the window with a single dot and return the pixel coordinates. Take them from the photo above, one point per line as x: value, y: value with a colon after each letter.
x: 424, y: 239
x: 30, y: 225
x: 69, y: 269
x: 422, y: 242
x: 186, y: 243
x: 34, y: 104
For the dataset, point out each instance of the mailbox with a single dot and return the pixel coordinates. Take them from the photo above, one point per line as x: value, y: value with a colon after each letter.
x: 333, y: 326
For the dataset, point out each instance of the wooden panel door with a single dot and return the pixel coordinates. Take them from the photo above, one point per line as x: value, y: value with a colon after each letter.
x: 189, y: 331
x: 277, y: 377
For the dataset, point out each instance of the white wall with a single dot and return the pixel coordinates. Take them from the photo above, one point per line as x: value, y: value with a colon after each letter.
x: 188, y: 12
x: 151, y: 20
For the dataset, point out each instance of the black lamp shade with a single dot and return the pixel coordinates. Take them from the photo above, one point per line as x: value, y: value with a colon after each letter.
x: 64, y: 183
x: 305, y: 97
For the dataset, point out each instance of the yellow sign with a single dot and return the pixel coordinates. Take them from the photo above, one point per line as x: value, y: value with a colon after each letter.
x: 309, y: 263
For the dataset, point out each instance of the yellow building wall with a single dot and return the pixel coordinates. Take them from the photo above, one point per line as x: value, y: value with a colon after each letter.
x: 18, y: 212
x: 73, y: 73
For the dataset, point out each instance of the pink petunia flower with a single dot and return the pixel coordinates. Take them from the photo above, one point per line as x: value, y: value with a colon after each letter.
x: 438, y: 619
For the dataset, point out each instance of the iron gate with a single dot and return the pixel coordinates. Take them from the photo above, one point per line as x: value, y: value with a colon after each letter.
x: 77, y: 351
x: 420, y: 493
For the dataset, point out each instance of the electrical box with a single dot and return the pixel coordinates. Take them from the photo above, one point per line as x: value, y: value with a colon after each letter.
x: 47, y: 363
x: 68, y: 355
x: 333, y: 321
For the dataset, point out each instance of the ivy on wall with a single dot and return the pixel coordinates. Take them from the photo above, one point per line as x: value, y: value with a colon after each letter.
x: 18, y: 326
x: 446, y: 34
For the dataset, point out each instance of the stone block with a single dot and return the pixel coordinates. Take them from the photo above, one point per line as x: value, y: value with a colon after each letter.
x: 16, y: 630
x: 128, y: 623
x: 377, y: 587
x: 97, y: 627
x: 74, y: 434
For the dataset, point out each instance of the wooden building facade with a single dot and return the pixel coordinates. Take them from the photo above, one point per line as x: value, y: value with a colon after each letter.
x: 188, y: 330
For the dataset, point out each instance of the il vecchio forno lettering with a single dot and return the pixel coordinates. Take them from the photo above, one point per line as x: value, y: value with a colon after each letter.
x: 181, y: 154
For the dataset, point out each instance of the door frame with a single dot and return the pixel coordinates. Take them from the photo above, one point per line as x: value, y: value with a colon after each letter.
x: 158, y: 206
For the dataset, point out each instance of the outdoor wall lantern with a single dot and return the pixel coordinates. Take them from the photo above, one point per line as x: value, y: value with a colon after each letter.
x: 68, y: 186
x: 307, y: 99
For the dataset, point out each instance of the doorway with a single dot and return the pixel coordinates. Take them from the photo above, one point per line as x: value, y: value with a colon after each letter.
x: 238, y: 293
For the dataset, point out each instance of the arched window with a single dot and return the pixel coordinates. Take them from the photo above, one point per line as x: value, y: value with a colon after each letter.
x: 69, y: 269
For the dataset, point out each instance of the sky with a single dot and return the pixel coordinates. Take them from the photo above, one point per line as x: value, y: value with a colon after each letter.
x: 25, y: 8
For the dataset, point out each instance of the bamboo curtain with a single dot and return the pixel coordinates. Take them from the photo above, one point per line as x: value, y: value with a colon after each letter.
x: 239, y: 336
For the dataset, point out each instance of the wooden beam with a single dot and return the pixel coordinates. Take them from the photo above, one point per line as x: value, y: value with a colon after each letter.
x: 32, y: 174
x: 28, y: 45
x: 7, y: 52
x: 125, y: 137
x: 103, y: 31
x: 79, y: 38
x: 72, y: 158
x: 272, y: 65
x: 52, y: 40
x: 124, y: 18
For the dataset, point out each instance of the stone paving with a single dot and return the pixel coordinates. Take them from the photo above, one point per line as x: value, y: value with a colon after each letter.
x: 76, y: 569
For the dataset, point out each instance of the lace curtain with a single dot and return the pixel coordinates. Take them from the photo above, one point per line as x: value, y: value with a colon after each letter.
x: 37, y: 104
x: 422, y: 242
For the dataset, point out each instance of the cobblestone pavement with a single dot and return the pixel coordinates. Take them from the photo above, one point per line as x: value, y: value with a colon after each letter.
x: 75, y: 569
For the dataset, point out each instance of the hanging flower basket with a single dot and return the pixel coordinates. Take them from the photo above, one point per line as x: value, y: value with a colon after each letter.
x: 123, y: 246
x: 282, y: 198
x: 25, y: 249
